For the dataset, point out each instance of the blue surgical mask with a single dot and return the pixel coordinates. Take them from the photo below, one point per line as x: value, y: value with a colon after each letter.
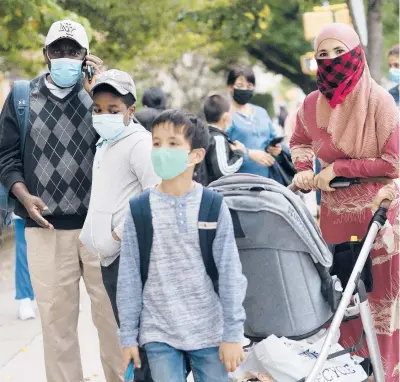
x: 169, y: 163
x: 109, y: 126
x: 65, y: 72
x: 394, y: 75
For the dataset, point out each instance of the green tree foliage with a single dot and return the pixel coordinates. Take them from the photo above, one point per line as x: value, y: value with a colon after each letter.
x: 138, y: 34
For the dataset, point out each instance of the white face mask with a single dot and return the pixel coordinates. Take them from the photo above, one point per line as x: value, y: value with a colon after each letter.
x: 109, y: 126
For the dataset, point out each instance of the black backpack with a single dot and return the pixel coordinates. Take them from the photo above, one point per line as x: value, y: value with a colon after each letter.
x: 210, y: 207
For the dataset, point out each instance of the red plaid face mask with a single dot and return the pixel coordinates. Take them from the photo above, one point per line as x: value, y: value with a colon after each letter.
x: 338, y: 76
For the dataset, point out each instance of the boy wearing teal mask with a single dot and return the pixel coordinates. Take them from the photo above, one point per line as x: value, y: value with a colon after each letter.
x: 180, y: 313
x: 122, y: 169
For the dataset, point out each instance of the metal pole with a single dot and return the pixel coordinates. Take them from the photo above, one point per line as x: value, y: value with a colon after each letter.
x: 345, y: 301
x: 370, y: 333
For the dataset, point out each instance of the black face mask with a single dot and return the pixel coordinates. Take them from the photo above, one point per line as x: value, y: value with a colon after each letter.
x: 242, y: 97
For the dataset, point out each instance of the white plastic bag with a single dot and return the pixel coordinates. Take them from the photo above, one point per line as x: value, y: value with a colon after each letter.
x: 290, y: 361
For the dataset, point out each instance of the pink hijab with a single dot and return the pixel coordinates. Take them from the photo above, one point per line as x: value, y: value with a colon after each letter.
x: 364, y: 122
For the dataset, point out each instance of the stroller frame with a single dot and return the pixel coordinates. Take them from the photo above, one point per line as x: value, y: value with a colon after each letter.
x: 361, y: 306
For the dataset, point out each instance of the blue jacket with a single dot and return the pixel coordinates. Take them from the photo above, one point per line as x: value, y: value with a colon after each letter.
x: 255, y: 132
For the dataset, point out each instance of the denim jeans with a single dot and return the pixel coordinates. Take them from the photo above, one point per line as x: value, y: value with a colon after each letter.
x: 168, y: 364
x: 23, y: 285
x: 110, y: 279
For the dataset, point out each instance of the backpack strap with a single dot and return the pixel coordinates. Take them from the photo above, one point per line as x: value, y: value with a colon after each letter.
x: 141, y: 214
x: 210, y: 207
x: 21, y: 98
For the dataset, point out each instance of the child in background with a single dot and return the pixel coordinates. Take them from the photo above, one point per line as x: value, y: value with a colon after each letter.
x: 177, y: 313
x: 223, y: 157
x: 122, y: 169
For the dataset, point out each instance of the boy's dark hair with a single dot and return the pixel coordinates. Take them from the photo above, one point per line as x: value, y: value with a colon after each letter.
x: 237, y: 72
x: 154, y: 98
x: 214, y: 107
x: 194, y: 128
x: 127, y: 99
x: 394, y: 51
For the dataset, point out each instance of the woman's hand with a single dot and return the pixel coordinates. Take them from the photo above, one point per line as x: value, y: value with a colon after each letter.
x: 385, y: 193
x: 304, y: 180
x: 262, y: 158
x: 275, y: 150
x: 323, y: 179
x: 238, y: 146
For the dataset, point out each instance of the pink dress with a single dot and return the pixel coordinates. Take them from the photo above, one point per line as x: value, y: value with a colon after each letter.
x: 346, y: 213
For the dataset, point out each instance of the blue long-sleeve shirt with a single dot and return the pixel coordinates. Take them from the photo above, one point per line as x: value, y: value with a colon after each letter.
x: 255, y: 132
x: 178, y: 305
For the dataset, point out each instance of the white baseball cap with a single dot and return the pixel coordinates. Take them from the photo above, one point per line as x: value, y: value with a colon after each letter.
x: 68, y: 29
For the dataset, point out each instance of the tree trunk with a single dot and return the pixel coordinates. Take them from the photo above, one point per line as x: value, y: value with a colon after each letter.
x: 375, y: 39
x: 281, y: 63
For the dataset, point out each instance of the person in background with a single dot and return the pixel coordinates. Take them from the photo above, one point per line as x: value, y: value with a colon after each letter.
x: 23, y: 285
x: 394, y: 72
x: 52, y: 181
x: 154, y: 102
x: 126, y: 146
x: 223, y: 157
x: 290, y: 123
x: 283, y: 114
x: 251, y: 125
x: 177, y: 313
x: 352, y: 125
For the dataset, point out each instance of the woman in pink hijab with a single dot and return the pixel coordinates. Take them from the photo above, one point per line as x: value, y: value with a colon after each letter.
x: 352, y: 125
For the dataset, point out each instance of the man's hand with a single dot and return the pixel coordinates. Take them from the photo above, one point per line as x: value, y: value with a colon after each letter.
x: 115, y: 236
x: 275, y: 150
x: 35, y: 207
x: 232, y: 355
x: 261, y: 157
x: 129, y: 354
x: 97, y: 64
x: 324, y: 178
x: 238, y: 146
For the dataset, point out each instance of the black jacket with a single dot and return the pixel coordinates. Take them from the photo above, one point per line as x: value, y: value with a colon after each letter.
x: 220, y: 159
x: 146, y: 117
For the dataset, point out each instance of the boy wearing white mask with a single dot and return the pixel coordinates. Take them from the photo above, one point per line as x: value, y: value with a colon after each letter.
x: 122, y: 169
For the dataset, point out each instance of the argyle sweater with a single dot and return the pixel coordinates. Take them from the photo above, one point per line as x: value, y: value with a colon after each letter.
x: 59, y: 149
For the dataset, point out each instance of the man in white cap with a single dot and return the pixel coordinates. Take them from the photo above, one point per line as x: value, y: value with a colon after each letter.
x: 51, y: 180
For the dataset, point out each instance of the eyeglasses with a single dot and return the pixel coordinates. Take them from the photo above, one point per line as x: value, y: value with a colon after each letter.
x: 76, y: 53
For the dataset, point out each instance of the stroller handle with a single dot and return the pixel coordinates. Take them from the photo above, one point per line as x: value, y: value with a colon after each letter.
x: 340, y: 182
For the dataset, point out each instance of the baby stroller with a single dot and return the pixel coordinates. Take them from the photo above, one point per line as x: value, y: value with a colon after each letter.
x: 292, y: 294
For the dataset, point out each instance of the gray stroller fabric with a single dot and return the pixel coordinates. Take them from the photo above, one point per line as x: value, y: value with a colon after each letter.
x: 279, y: 251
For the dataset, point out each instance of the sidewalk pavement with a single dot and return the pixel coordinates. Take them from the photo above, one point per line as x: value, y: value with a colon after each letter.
x: 21, y: 345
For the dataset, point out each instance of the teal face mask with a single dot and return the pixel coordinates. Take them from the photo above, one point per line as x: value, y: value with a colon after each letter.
x: 65, y: 72
x: 169, y: 163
